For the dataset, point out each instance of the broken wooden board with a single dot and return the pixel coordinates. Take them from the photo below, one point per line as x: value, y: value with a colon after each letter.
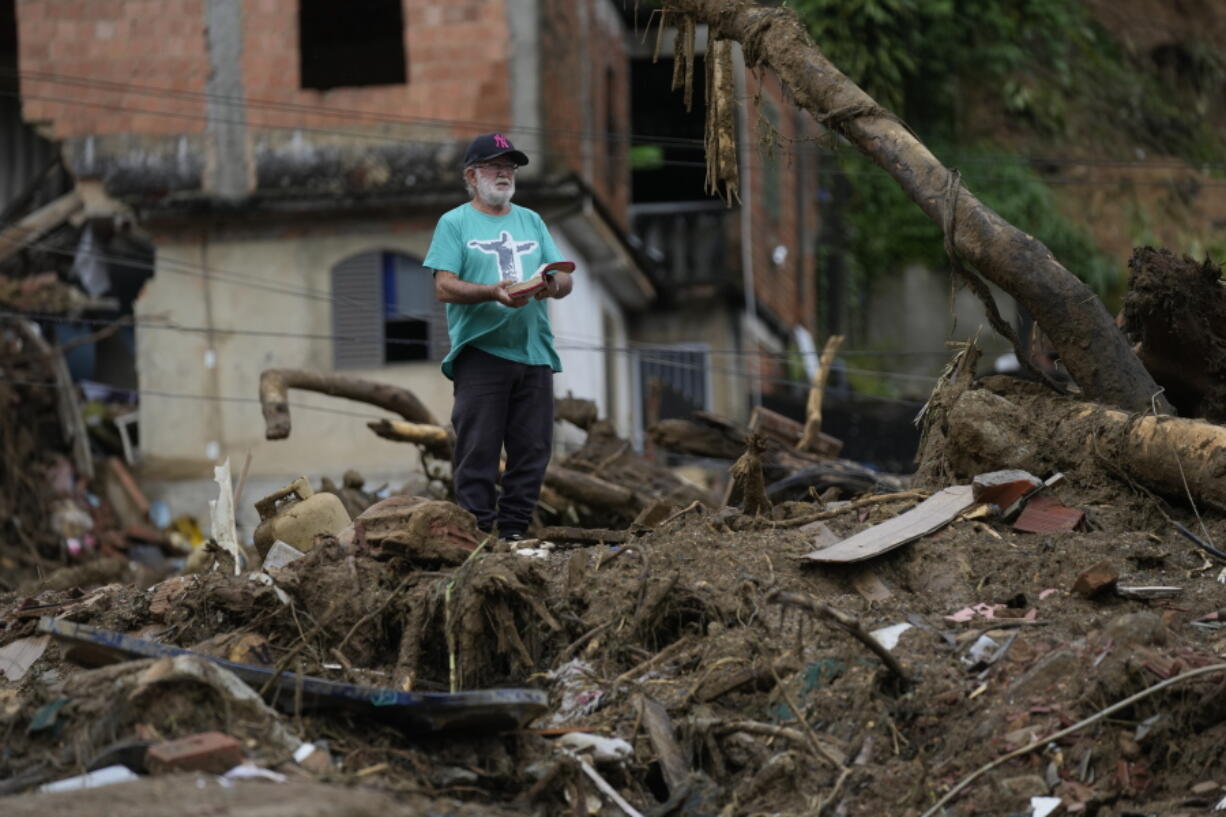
x: 16, y: 236
x: 485, y: 710
x: 933, y: 513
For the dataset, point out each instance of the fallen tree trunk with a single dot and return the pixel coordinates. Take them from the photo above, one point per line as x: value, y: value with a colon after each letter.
x: 576, y: 410
x: 703, y: 434
x: 592, y: 490
x: 276, y: 383
x: 1095, y: 352
x: 1009, y: 424
x: 613, y: 459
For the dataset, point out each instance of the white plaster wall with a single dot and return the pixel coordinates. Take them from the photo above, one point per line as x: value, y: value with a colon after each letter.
x: 328, y: 434
x: 579, y: 334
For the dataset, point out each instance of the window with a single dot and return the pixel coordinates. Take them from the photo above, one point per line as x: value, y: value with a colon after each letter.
x: 672, y: 382
x: 384, y: 311
x: 350, y: 44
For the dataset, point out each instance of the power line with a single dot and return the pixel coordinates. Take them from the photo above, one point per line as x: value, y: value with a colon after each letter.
x: 201, y: 397
x: 375, y: 117
x: 656, y: 355
x: 754, y: 156
x: 638, y: 139
x: 202, y: 271
x: 646, y: 353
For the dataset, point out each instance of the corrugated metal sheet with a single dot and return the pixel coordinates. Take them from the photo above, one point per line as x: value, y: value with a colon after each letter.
x: 23, y: 153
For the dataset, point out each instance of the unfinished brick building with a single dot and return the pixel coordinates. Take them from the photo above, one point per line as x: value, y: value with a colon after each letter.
x: 287, y: 163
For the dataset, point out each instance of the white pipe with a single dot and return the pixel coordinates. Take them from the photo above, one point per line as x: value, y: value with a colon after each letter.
x: 747, y: 282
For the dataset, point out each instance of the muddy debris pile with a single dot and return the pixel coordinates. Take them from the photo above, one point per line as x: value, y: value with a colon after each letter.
x: 1013, y: 643
x: 71, y: 511
x: 1175, y: 314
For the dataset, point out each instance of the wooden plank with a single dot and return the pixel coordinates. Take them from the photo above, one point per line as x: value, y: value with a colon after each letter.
x: 932, y: 514
x: 36, y: 224
x: 663, y: 737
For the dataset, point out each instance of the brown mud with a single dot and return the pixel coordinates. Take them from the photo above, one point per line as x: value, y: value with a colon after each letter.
x: 684, y: 616
x: 1175, y: 312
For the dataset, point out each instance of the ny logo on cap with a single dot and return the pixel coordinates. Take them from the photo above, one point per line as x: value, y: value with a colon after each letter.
x: 501, y: 141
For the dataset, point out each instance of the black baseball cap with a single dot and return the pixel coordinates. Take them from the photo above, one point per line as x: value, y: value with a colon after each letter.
x: 492, y: 145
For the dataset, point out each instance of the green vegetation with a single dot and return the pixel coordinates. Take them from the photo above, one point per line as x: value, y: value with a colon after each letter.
x: 980, y: 79
x: 887, y: 231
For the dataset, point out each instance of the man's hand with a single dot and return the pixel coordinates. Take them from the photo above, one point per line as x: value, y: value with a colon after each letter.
x: 557, y: 285
x: 498, y: 292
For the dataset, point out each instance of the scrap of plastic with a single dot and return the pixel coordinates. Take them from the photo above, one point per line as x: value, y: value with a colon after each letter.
x: 92, y: 780
x: 250, y: 771
x: 888, y: 636
x: 603, y: 750
x: 1043, y: 806
x: 579, y: 695
x: 221, y: 513
x: 981, y: 652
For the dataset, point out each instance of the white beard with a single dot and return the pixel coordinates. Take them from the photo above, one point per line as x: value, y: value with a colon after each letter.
x: 492, y: 195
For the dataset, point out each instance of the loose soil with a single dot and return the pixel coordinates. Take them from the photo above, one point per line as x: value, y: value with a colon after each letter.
x: 684, y: 615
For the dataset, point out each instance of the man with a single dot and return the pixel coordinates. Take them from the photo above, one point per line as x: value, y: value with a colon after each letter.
x: 502, y: 358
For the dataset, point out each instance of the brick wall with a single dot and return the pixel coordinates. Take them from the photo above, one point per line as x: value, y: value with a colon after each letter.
x: 783, y: 188
x: 456, y: 54
x: 149, y: 42
x: 585, y: 68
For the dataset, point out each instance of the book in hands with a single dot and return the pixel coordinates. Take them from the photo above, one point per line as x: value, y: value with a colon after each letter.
x: 537, y: 282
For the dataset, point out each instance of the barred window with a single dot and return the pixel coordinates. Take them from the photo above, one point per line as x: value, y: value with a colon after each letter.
x: 673, y: 381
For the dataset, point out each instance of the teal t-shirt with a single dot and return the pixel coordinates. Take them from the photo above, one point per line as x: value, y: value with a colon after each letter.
x: 484, y: 249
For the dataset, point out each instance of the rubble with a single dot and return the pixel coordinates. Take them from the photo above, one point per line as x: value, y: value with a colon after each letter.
x: 657, y: 651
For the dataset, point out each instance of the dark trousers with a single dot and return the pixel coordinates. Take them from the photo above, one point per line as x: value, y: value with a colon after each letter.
x: 500, y: 403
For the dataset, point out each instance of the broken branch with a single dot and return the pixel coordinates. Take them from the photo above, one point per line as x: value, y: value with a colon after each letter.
x: 590, y: 490
x: 276, y: 383
x: 813, y: 409
x: 847, y: 622
x: 435, y: 439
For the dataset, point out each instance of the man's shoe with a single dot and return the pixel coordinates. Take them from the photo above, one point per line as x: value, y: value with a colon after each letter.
x: 512, y: 536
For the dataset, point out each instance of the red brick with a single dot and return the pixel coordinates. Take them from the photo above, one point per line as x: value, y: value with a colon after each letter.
x: 211, y: 752
x: 1095, y: 579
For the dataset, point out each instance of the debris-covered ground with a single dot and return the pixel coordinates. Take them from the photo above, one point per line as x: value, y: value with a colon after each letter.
x: 773, y: 711
x: 661, y: 653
